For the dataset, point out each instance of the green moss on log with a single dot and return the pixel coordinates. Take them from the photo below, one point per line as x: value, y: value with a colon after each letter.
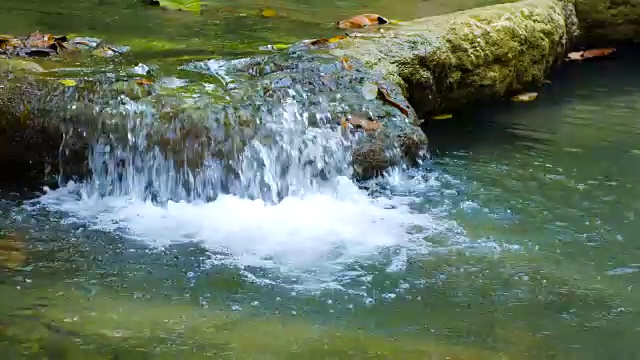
x: 444, y: 61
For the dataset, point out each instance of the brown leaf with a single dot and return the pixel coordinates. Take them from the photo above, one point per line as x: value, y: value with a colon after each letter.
x: 143, y: 81
x: 38, y: 40
x: 597, y: 52
x: 390, y: 100
x: 362, y: 21
x: 323, y: 41
x: 345, y: 63
x: 591, y: 53
x: 366, y: 125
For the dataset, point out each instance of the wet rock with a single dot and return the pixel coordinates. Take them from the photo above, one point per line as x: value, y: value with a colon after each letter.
x: 607, y: 21
x: 445, y: 61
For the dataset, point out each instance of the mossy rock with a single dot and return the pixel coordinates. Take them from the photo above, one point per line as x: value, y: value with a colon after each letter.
x: 609, y: 21
x: 445, y: 61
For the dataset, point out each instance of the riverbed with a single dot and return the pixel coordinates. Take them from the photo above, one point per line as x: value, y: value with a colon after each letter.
x: 515, y: 241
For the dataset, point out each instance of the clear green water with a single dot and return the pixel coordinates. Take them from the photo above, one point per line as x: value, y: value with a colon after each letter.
x: 223, y: 28
x: 556, y: 177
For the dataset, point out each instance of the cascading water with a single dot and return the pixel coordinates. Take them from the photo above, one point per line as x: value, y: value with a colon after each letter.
x: 285, y: 157
x: 261, y: 187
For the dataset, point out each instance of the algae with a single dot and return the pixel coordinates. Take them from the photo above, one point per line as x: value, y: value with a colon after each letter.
x: 444, y: 61
x: 605, y: 21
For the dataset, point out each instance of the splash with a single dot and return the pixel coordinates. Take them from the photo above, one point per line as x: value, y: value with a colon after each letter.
x: 273, y: 198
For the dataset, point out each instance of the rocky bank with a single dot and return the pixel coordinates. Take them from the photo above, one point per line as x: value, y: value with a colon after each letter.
x: 427, y: 66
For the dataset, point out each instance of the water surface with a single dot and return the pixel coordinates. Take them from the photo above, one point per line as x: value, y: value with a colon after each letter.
x: 517, y: 241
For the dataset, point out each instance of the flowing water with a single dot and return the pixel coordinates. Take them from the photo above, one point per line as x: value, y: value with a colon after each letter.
x: 515, y: 241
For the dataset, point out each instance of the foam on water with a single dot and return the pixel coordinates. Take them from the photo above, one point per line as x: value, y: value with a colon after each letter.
x: 291, y: 215
x: 325, y: 238
x: 309, y: 241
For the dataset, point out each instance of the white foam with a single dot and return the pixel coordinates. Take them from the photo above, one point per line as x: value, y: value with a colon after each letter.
x: 312, y: 238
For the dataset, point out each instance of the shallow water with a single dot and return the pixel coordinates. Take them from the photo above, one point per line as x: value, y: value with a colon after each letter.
x: 516, y: 242
x: 224, y: 28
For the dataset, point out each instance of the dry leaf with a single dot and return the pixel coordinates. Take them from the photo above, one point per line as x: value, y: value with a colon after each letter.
x: 68, y: 82
x: 581, y: 55
x: 597, y: 52
x: 268, y: 13
x: 366, y: 125
x: 361, y: 21
x: 576, y: 55
x: 525, y: 97
x: 345, y: 63
x: 390, y: 100
x: 143, y: 81
x: 442, y: 117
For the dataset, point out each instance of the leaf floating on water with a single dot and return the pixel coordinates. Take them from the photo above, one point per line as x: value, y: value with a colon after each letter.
x: 591, y: 53
x: 362, y: 21
x: 442, y: 117
x: 598, y: 52
x: 370, y: 91
x: 182, y: 5
x: 388, y: 98
x: 525, y: 97
x: 68, y: 82
x: 366, y: 125
x: 269, y: 13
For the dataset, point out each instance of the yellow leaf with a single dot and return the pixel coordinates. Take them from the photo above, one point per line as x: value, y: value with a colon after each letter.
x: 68, y: 82
x: 442, y: 117
x: 281, y: 46
x: 268, y: 13
x: 525, y: 97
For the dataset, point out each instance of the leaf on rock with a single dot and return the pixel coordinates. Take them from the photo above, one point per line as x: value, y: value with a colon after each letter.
x: 268, y: 13
x: 330, y: 40
x: 598, y: 52
x: 442, y: 117
x: 68, y: 82
x: 182, y: 5
x: 143, y: 82
x: 525, y: 97
x: 366, y: 125
x: 387, y: 97
x: 362, y: 21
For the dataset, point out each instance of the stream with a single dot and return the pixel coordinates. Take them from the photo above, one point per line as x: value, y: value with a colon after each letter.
x: 516, y: 240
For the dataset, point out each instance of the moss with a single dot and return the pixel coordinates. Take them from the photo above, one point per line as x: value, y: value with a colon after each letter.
x: 444, y: 61
x: 109, y: 326
x: 606, y: 21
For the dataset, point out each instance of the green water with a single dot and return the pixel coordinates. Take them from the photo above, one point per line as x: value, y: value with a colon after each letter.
x: 224, y: 28
x: 556, y: 177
